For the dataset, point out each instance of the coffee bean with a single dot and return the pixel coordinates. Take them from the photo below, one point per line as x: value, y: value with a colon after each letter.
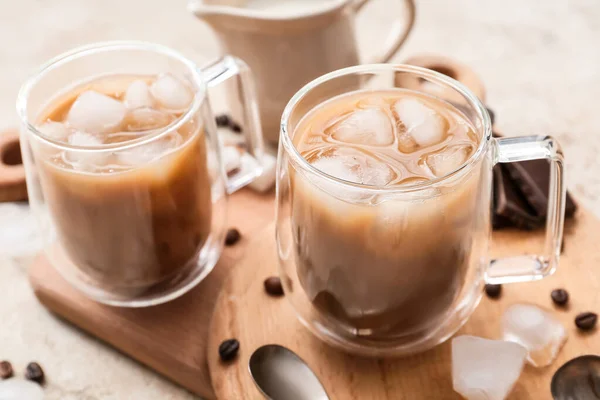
x: 34, y: 372
x: 228, y: 350
x: 6, y: 370
x: 223, y: 120
x: 235, y: 127
x: 493, y: 291
x: 560, y: 297
x: 273, y: 286
x: 233, y: 236
x: 586, y: 321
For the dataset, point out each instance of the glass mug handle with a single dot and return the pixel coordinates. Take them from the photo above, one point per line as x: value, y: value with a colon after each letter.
x: 534, y: 267
x: 397, y: 35
x: 220, y: 71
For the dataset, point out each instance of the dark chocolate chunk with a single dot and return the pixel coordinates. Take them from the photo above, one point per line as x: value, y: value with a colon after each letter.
x: 229, y: 349
x: 533, y: 178
x: 510, y: 204
x: 6, y: 370
x: 233, y: 236
x: 34, y: 372
x: 560, y: 297
x: 273, y: 286
x: 586, y: 321
x: 493, y: 291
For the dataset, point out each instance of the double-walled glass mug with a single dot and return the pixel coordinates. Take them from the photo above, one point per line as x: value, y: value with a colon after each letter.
x: 124, y: 167
x: 384, y: 269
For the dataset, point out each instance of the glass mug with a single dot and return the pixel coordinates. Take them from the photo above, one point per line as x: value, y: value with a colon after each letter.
x: 394, y: 270
x: 146, y: 223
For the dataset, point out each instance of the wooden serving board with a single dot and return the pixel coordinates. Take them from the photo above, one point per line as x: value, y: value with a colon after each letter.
x: 170, y: 338
x: 244, y: 311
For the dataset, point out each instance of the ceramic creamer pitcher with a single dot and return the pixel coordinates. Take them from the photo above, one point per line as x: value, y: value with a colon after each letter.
x: 288, y: 43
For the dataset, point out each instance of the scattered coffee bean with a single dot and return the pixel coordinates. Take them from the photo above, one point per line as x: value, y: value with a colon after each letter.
x: 235, y: 127
x: 560, y: 297
x: 34, y: 372
x: 6, y: 370
x: 493, y: 291
x: 273, y: 286
x: 586, y: 321
x: 233, y: 236
x: 223, y: 120
x: 228, y: 349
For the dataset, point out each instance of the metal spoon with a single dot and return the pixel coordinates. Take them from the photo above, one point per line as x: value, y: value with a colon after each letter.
x: 281, y: 375
x: 577, y: 379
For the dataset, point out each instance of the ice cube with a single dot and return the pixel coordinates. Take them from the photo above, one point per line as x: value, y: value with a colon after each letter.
x: 231, y: 159
x: 82, y: 159
x: 354, y: 166
x: 448, y: 159
x: 171, y: 93
x: 20, y: 389
x: 145, y: 119
x: 370, y: 126
x: 149, y: 152
x: 138, y: 95
x: 484, y: 369
x: 95, y: 112
x: 84, y: 139
x: 267, y: 179
x: 54, y: 130
x: 420, y: 122
x: 537, y: 330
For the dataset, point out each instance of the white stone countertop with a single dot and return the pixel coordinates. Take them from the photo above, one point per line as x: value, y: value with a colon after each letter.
x: 540, y: 61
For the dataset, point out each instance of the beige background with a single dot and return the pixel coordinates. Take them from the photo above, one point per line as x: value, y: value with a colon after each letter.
x: 540, y: 61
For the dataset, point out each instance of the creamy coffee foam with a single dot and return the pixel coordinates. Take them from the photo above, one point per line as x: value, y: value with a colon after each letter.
x: 384, y: 265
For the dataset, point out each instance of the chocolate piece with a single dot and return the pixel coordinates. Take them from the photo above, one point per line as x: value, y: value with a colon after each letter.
x: 533, y: 178
x: 586, y: 321
x: 510, y: 205
x: 229, y: 349
x: 6, y: 370
x: 34, y: 372
x: 493, y: 291
x: 273, y: 286
x: 560, y: 297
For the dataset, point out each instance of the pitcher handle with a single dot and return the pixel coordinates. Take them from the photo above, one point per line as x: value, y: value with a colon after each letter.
x: 398, y: 33
x: 214, y: 74
x: 533, y: 267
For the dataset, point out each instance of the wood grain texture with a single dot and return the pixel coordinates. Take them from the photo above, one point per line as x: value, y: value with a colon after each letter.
x: 244, y: 311
x: 170, y: 338
x: 12, y: 172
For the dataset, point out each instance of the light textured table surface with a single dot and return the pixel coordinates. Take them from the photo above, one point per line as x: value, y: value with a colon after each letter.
x: 540, y: 61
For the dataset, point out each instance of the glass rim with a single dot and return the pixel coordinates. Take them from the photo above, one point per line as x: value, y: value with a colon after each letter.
x: 431, y: 75
x: 109, y: 46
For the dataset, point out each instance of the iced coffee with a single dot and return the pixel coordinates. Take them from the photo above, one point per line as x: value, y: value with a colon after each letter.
x: 379, y: 263
x: 126, y: 182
